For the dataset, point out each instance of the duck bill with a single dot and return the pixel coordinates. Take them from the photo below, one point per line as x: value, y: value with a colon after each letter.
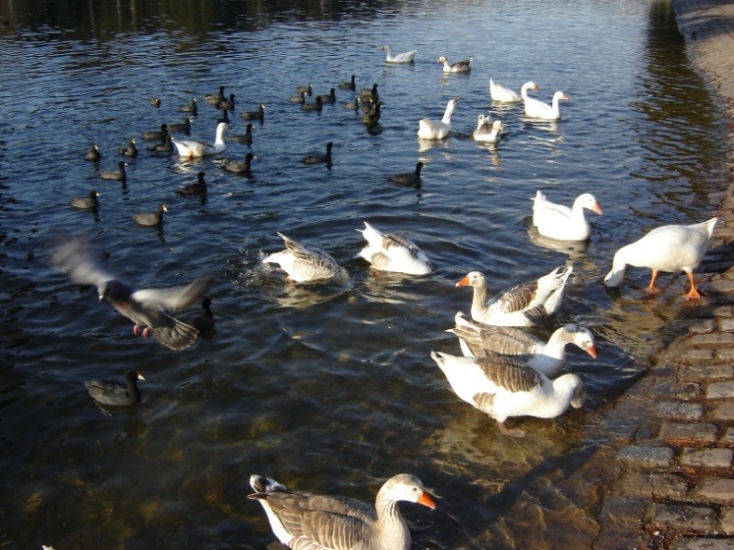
x: 463, y: 282
x: 426, y: 500
x: 597, y: 209
x: 591, y: 350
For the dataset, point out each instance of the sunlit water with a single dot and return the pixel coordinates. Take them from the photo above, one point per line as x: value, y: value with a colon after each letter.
x: 327, y: 388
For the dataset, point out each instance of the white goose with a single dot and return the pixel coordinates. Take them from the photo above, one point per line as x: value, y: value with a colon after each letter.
x: 407, y: 57
x: 671, y: 248
x: 305, y: 521
x: 501, y: 94
x: 557, y: 221
x: 437, y: 129
x: 191, y: 149
x: 503, y: 387
x: 537, y: 109
x: 548, y: 358
x: 463, y: 66
x: 388, y: 252
x: 522, y: 305
x: 305, y: 264
x: 487, y: 131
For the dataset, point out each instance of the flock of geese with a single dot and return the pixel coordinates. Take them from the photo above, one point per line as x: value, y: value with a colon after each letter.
x: 503, y: 370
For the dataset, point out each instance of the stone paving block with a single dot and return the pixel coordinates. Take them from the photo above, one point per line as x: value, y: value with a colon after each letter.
x: 680, y: 410
x: 722, y: 411
x: 722, y: 286
x: 701, y: 543
x: 706, y: 372
x: 690, y: 391
x: 691, y: 434
x: 699, y: 326
x: 711, y: 339
x: 728, y: 437
x: 727, y: 520
x: 715, y: 490
x: 647, y: 457
x: 726, y: 324
x: 694, y: 355
x: 706, y: 458
x: 717, y: 390
x: 695, y: 518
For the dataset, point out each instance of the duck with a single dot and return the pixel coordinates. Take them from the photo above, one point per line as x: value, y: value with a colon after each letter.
x: 410, y: 179
x: 245, y: 138
x: 389, y: 252
x: 319, y: 158
x: 151, y: 220
x: 205, y: 322
x: 184, y: 126
x: 305, y: 264
x: 315, y: 106
x: 670, y: 248
x: 407, y: 57
x: 463, y: 66
x: 523, y: 305
x: 90, y: 202
x: 93, y: 154
x: 213, y: 99
x: 255, y: 115
x: 155, y: 102
x: 548, y: 358
x: 305, y: 520
x: 115, y: 175
x: 239, y: 166
x: 129, y: 150
x: 192, y: 149
x: 300, y: 98
x: 164, y: 147
x: 330, y: 97
x: 199, y: 187
x: 110, y: 393
x: 353, y: 105
x: 370, y: 93
x: 487, y: 131
x: 537, y: 109
x: 159, y: 135
x: 225, y: 104
x: 503, y: 387
x: 501, y: 94
x: 308, y: 89
x: 437, y: 129
x: 192, y: 107
x: 559, y: 222
x: 373, y: 114
x: 351, y: 84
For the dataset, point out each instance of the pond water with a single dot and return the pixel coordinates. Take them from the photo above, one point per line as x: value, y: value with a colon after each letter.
x: 326, y: 388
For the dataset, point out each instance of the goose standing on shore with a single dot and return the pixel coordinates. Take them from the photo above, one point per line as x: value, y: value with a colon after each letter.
x: 193, y: 149
x: 523, y: 305
x: 559, y: 222
x: 502, y: 387
x: 670, y: 248
x: 305, y: 521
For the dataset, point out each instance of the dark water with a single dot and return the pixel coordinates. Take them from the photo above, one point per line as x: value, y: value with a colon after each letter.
x: 325, y: 388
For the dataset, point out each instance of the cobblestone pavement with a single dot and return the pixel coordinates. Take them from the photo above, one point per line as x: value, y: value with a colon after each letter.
x: 676, y: 487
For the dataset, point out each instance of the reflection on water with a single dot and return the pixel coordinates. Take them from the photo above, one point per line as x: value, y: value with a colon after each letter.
x: 327, y: 388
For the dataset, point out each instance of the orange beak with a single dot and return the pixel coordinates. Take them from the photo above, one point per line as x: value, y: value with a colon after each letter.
x: 597, y: 208
x: 463, y: 282
x: 426, y: 500
x: 591, y: 350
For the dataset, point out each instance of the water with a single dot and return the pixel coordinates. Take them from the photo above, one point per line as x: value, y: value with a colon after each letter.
x: 327, y: 388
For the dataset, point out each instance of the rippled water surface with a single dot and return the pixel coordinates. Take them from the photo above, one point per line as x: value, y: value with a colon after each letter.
x: 327, y: 388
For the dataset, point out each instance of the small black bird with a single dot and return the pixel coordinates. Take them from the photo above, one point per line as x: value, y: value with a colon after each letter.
x: 151, y: 220
x: 204, y: 322
x: 90, y: 202
x: 245, y: 138
x: 255, y: 115
x: 320, y: 159
x: 410, y: 179
x: 240, y: 167
x: 115, y: 175
x: 93, y: 154
x: 193, y: 189
x: 192, y: 107
x: 109, y: 393
x: 129, y: 150
x: 160, y: 135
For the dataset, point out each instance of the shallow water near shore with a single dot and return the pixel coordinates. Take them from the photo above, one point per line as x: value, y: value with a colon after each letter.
x: 326, y: 388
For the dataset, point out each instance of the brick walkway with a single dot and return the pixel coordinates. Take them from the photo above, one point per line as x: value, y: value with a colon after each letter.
x: 676, y: 490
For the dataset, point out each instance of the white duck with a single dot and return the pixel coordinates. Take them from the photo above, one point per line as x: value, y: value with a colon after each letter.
x: 305, y: 521
x: 407, y: 57
x: 487, y: 131
x: 437, y: 129
x: 388, y: 252
x: 192, y: 149
x: 463, y: 66
x: 501, y: 94
x: 548, y: 358
x: 305, y: 264
x: 537, y: 109
x: 670, y: 248
x: 522, y: 305
x: 503, y: 387
x: 557, y: 221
